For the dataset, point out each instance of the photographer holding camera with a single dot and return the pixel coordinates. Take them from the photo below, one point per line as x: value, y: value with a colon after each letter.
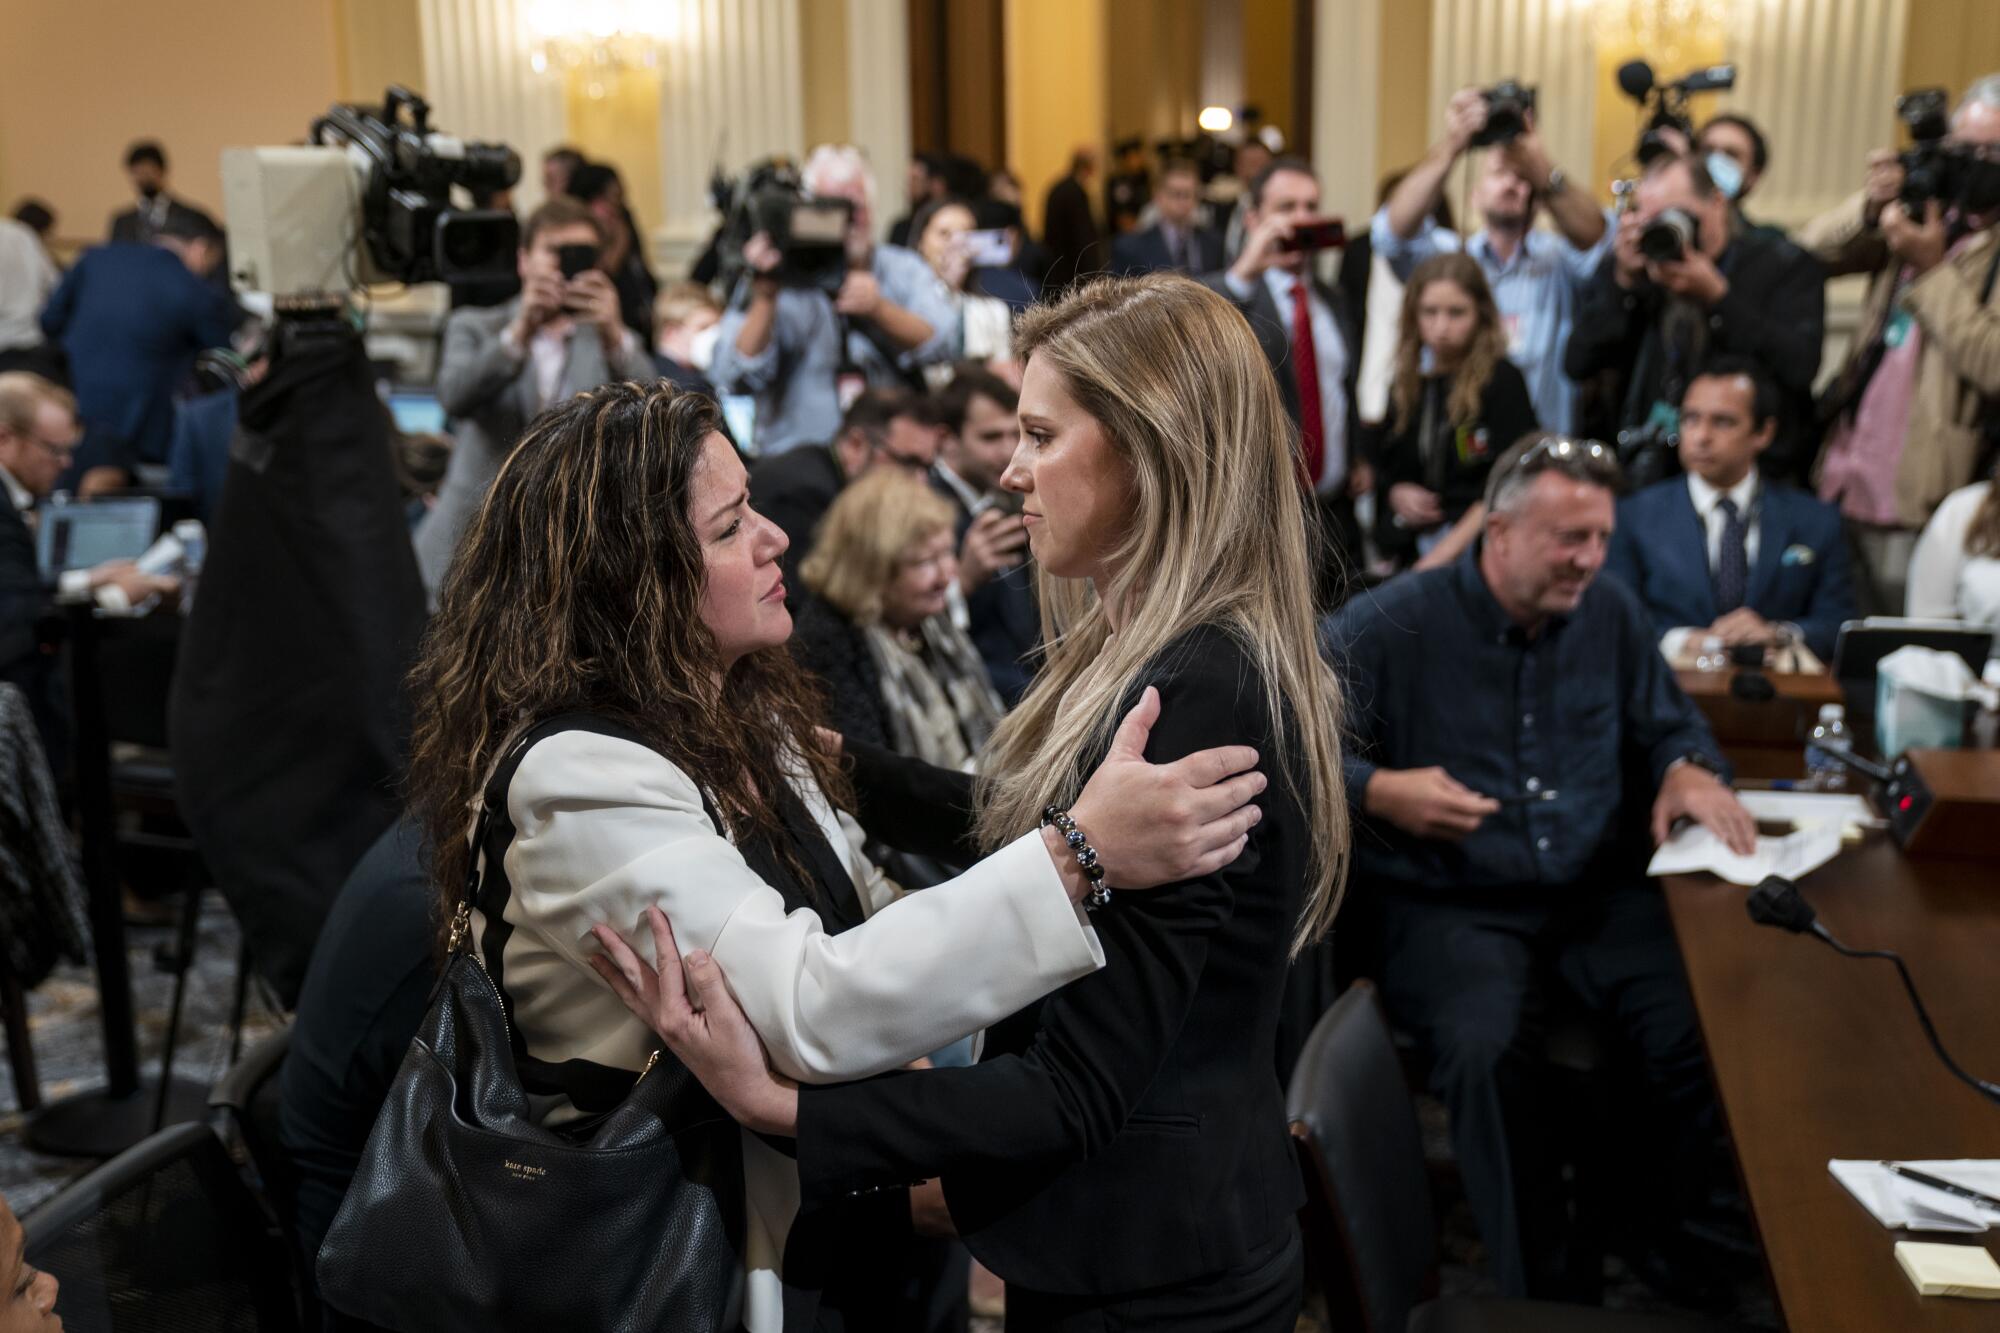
x: 1535, y: 275
x: 1910, y: 412
x: 1686, y: 281
x: 791, y: 345
x: 565, y: 333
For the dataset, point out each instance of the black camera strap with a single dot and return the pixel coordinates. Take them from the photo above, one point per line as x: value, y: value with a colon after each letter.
x: 892, y: 355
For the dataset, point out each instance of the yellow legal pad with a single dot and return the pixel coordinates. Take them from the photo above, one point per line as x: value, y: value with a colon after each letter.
x: 1950, y: 1270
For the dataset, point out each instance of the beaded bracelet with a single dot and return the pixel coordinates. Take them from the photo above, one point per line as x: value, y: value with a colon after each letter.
x: 1086, y: 856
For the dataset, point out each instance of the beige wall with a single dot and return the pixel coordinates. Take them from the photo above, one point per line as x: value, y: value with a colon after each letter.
x: 1057, y: 53
x: 1950, y: 43
x: 823, y: 69
x: 1269, y: 30
x: 81, y: 79
x: 377, y: 43
x: 1401, y: 128
x: 1154, y: 77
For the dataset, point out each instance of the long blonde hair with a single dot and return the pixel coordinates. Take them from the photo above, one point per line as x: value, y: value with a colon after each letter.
x: 1219, y: 535
x: 1486, y: 350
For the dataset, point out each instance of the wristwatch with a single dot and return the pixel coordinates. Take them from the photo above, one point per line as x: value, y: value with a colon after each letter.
x: 1704, y: 762
x: 1557, y: 182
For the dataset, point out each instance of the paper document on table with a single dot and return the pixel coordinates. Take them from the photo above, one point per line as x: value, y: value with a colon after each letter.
x: 1905, y: 1204
x: 1803, y: 808
x: 1694, y: 849
x: 1950, y: 1270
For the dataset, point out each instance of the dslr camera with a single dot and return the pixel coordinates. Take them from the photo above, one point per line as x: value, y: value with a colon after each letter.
x: 1508, y: 106
x: 1933, y: 169
x: 1670, y: 237
x: 1647, y: 454
x: 367, y: 199
x: 1926, y: 166
x: 810, y: 234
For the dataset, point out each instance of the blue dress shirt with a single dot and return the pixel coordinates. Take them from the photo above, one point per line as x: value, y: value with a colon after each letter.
x: 1436, y: 673
x: 794, y: 378
x: 1536, y: 291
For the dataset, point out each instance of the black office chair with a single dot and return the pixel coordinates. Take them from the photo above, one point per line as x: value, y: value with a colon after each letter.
x: 164, y: 1238
x: 246, y: 1105
x: 1371, y: 1233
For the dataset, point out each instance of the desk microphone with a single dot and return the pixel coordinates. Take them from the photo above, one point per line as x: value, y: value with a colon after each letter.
x: 1777, y: 902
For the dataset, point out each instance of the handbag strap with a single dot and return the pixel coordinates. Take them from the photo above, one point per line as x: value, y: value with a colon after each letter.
x: 496, y: 786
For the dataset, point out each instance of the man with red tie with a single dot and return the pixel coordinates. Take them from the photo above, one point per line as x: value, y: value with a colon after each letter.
x: 1311, y: 340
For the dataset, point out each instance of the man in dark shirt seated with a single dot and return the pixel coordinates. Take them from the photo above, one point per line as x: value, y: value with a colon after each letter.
x: 794, y: 488
x: 1509, y: 714
x: 1722, y: 551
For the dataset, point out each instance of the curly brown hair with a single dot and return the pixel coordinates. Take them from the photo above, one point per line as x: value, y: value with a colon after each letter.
x: 1488, y: 347
x: 578, y: 589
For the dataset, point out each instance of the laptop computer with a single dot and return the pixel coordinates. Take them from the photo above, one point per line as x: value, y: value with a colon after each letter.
x: 416, y: 411
x: 85, y: 535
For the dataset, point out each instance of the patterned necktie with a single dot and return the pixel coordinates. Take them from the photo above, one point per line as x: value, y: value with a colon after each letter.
x: 1176, y: 249
x: 1305, y: 368
x: 1732, y: 565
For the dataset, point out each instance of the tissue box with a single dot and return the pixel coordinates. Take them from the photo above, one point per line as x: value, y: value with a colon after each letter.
x: 1920, y: 700
x: 1909, y: 719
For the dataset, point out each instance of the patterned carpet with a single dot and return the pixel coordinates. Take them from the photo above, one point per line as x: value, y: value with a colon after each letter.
x: 69, y: 1046
x: 69, y: 1050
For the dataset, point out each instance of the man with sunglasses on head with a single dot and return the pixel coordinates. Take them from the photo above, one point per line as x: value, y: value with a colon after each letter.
x: 795, y: 488
x: 1515, y: 736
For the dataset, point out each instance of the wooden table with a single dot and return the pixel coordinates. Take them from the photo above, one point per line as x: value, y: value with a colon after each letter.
x: 1817, y: 1056
x: 1762, y: 740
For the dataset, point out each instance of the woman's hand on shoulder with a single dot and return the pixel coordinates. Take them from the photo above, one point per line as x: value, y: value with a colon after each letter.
x: 701, y: 1023
x: 1154, y: 824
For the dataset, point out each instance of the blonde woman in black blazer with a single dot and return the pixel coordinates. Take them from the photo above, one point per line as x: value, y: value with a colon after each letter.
x: 1120, y: 1154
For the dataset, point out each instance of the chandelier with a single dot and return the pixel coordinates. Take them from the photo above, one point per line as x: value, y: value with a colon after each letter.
x: 599, y: 40
x: 1659, y: 28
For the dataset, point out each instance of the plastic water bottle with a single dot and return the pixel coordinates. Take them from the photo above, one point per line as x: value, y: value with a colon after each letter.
x: 1825, y: 772
x: 193, y: 538
x: 1713, y: 656
x: 194, y: 543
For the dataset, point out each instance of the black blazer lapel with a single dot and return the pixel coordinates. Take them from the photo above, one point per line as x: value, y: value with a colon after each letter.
x: 837, y: 902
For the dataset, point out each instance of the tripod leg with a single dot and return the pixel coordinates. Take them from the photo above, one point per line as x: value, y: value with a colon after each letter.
x: 190, y: 919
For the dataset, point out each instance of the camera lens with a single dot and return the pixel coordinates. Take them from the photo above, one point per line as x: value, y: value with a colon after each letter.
x: 1663, y: 241
x: 475, y: 245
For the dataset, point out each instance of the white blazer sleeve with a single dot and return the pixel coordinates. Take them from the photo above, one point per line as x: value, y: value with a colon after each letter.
x: 1939, y: 557
x: 604, y: 827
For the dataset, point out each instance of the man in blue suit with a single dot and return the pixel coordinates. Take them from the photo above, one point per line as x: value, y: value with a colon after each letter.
x: 1177, y: 241
x: 1722, y: 551
x: 132, y: 317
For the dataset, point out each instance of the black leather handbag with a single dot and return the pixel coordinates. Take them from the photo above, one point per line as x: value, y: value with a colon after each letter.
x: 467, y: 1215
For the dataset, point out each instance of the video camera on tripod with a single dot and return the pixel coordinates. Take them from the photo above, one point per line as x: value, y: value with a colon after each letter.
x: 367, y: 199
x: 810, y: 233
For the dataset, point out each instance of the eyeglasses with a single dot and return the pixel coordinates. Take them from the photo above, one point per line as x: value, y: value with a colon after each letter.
x: 63, y: 451
x: 909, y: 462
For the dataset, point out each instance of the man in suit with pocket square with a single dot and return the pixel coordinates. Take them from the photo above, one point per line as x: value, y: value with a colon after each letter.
x: 1723, y: 551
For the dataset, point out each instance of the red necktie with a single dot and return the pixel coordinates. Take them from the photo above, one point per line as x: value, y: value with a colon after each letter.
x: 1305, y: 368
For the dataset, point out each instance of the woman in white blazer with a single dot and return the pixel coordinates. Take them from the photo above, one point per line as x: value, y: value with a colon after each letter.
x: 613, y: 628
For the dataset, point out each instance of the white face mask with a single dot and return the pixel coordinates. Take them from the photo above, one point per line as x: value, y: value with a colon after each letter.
x: 1727, y: 175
